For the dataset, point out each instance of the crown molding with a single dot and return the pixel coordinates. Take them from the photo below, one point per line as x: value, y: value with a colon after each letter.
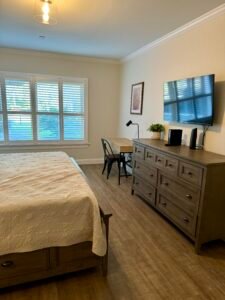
x: 203, y: 18
x: 64, y: 56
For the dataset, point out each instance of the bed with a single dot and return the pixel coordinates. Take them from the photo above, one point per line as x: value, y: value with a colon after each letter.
x: 50, y: 220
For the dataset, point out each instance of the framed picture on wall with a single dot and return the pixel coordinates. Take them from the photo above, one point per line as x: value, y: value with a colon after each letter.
x: 137, y: 93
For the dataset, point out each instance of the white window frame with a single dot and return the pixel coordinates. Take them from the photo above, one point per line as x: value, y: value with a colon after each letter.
x: 33, y: 78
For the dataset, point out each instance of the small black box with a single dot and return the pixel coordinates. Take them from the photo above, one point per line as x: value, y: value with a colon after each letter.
x: 174, y: 137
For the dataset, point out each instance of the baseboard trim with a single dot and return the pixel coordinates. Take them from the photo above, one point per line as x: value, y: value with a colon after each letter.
x: 90, y: 161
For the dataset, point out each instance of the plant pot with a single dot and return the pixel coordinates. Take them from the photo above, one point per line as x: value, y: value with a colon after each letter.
x: 155, y: 135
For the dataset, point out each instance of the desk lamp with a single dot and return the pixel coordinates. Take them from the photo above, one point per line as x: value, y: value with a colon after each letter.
x: 131, y: 123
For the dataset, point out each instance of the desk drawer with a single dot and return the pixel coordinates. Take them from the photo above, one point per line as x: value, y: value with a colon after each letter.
x: 149, y: 174
x: 24, y: 263
x: 145, y: 190
x: 190, y: 173
x: 175, y: 214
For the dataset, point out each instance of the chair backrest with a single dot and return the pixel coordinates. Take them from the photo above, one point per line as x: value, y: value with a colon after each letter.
x: 107, y: 148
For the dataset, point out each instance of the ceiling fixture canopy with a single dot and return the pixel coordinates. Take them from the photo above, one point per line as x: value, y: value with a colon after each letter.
x: 45, y: 12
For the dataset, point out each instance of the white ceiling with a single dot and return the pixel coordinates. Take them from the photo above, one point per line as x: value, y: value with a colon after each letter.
x: 99, y: 28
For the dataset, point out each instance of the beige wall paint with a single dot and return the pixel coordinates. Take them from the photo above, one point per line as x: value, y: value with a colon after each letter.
x: 104, y: 82
x: 197, y: 51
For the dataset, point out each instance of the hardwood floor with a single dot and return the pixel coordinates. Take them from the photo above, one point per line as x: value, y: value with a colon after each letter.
x: 149, y: 259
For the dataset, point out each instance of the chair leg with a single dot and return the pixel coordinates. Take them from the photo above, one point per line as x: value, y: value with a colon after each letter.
x: 118, y: 163
x: 109, y: 168
x: 124, y: 167
x: 105, y: 163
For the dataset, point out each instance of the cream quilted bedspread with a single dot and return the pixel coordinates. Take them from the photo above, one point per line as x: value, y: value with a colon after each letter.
x: 45, y: 201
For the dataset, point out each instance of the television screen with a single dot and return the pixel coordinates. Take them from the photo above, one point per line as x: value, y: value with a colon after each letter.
x: 190, y: 100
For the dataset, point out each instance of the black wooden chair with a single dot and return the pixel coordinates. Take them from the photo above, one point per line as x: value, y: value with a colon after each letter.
x: 110, y: 157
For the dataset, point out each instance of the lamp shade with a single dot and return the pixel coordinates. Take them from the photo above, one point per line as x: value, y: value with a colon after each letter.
x: 45, y: 12
x: 129, y: 123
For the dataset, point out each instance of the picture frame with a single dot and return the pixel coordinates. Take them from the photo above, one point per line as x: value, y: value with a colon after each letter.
x: 137, y: 94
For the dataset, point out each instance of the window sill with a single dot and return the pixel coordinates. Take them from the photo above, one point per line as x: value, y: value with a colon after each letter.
x: 43, y: 147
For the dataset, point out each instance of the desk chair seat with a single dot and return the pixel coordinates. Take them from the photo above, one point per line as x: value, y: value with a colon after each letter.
x: 110, y: 157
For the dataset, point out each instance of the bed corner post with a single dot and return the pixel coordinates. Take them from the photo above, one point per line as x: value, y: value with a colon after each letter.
x: 104, y: 259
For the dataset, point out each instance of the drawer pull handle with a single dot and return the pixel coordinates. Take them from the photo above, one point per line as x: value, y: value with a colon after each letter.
x: 137, y: 183
x: 138, y: 151
x: 7, y: 264
x: 159, y: 160
x: 190, y: 173
x: 151, y: 175
x: 186, y: 220
x: 149, y: 155
x: 149, y: 194
x: 166, y: 183
x: 138, y: 167
x: 170, y: 165
x: 164, y: 203
x: 189, y: 196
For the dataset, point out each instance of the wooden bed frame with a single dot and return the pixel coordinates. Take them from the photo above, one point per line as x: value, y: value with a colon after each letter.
x: 25, y: 267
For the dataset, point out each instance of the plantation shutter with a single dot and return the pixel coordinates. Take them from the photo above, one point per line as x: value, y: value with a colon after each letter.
x: 48, y: 123
x: 1, y: 118
x: 18, y: 106
x: 42, y: 110
x: 73, y: 111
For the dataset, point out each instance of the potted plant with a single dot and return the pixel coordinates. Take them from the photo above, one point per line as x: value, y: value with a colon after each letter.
x: 155, y: 131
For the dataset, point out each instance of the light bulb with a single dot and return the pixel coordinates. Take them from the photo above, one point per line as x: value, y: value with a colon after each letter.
x: 45, y: 8
x: 45, y: 18
x: 45, y: 12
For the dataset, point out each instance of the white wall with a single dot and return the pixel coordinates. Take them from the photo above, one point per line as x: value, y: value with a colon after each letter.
x: 104, y: 82
x: 197, y: 51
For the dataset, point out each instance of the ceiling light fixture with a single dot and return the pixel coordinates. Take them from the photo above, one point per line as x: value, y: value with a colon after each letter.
x: 45, y: 12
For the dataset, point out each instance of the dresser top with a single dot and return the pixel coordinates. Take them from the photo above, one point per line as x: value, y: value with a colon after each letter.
x: 199, y: 156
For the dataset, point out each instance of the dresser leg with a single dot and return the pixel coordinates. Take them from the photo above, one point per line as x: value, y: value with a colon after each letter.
x: 198, y: 247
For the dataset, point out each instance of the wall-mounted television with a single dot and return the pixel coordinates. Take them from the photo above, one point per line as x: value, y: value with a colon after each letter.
x: 190, y: 100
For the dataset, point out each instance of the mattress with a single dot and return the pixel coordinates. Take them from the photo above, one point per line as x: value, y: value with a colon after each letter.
x: 45, y: 201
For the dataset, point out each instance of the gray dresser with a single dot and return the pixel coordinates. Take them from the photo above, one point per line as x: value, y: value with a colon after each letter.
x: 186, y: 186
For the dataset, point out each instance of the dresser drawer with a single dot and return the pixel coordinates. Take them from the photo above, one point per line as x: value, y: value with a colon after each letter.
x: 145, y: 190
x: 177, y: 215
x: 24, y: 263
x: 139, y: 151
x: 190, y: 173
x: 149, y: 174
x: 184, y: 197
x: 149, y: 156
x: 171, y: 165
x: 160, y: 161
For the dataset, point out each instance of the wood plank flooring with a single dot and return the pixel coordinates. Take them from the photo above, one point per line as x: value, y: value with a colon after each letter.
x: 149, y: 259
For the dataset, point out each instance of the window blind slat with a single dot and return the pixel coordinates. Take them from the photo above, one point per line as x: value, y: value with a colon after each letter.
x: 0, y: 98
x: 73, y: 98
x: 73, y: 128
x: 47, y: 96
x: 18, y: 95
x: 1, y: 129
x: 20, y: 127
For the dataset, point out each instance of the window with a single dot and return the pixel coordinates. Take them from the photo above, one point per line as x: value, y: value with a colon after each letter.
x: 42, y: 110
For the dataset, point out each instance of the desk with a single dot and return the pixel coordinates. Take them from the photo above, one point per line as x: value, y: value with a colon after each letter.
x: 121, y: 146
